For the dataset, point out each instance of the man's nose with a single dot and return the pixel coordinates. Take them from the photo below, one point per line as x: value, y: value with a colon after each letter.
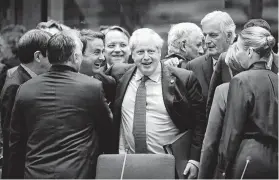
x: 146, y: 55
x: 102, y: 57
x: 201, y: 50
x: 117, y: 48
x: 207, y: 39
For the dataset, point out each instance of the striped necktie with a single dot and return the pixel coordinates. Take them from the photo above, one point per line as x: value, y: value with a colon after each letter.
x: 139, y: 125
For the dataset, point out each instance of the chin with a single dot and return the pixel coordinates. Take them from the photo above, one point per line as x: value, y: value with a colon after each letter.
x: 118, y: 60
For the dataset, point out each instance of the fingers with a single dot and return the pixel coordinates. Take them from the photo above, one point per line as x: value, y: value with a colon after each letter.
x: 186, y: 171
x: 172, y: 62
x: 191, y: 170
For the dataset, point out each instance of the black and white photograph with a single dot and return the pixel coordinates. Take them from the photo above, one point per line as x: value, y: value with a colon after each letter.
x: 139, y: 89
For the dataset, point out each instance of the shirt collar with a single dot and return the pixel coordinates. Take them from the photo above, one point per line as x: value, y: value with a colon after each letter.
x: 108, y: 66
x: 154, y: 77
x: 29, y: 71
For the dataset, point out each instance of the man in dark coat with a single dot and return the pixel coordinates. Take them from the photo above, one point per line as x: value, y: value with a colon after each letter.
x: 60, y: 121
x: 94, y: 63
x: 174, y: 103
x: 219, y: 30
x: 32, y: 55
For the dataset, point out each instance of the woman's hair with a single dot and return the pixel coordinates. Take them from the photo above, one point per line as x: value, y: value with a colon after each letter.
x: 259, y: 39
x: 232, y: 61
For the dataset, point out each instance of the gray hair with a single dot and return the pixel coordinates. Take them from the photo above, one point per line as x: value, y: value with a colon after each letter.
x: 226, y: 23
x: 144, y: 33
x: 181, y: 32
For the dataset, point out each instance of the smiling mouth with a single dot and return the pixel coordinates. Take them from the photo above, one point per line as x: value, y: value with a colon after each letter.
x: 118, y: 56
x: 146, y: 63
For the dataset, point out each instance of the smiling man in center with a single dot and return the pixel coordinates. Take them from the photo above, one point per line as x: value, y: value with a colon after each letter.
x: 155, y: 104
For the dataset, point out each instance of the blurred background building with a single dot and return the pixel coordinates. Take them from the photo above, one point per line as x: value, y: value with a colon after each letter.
x: 132, y: 14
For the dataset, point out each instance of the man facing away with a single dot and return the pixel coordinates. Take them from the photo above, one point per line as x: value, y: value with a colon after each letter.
x: 60, y: 121
x: 32, y: 55
x: 154, y: 103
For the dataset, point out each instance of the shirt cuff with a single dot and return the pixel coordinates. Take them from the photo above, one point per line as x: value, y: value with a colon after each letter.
x: 196, y: 163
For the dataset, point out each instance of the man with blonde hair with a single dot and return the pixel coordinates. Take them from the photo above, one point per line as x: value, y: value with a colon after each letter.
x: 155, y: 104
x: 185, y: 42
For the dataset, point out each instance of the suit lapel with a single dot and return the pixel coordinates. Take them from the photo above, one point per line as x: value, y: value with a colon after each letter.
x: 168, y: 87
x: 207, y: 68
x: 23, y: 74
x: 122, y: 87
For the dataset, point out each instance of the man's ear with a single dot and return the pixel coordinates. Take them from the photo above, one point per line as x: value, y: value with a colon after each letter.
x: 250, y: 52
x: 229, y: 37
x: 183, y: 46
x: 37, y: 55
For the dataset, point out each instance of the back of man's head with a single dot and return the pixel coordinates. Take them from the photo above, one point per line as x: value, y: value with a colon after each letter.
x: 52, y: 26
x: 32, y: 41
x: 62, y: 46
x: 257, y: 22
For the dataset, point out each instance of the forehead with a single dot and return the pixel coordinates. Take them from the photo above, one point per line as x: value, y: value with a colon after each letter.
x: 115, y: 35
x: 95, y: 44
x: 211, y: 26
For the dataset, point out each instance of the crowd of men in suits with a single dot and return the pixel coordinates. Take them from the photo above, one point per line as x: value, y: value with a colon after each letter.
x: 76, y: 94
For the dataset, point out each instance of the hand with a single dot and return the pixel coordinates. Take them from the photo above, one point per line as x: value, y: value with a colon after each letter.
x: 191, y: 171
x: 172, y: 62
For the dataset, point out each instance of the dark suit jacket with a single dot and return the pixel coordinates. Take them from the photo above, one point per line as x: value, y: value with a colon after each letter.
x: 60, y: 124
x: 252, y: 114
x: 209, y: 153
x: 183, y: 62
x: 8, y: 94
x: 107, y: 81
x: 203, y: 69
x: 222, y: 75
x: 182, y: 97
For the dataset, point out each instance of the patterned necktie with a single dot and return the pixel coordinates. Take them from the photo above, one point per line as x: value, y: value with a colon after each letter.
x: 139, y: 125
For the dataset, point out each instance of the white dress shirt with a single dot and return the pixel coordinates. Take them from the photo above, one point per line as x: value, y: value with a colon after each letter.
x: 160, y: 129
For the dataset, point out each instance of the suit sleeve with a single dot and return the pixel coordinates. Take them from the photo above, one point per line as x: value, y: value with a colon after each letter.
x: 215, y: 81
x: 104, y: 125
x: 198, y: 115
x: 212, y: 137
x: 17, y: 141
x: 235, y: 118
x: 7, y: 102
x: 109, y: 85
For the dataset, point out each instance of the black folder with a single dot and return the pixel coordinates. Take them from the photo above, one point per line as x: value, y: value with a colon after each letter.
x: 180, y: 149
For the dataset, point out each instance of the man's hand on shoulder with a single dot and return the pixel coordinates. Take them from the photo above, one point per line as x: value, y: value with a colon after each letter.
x: 172, y: 62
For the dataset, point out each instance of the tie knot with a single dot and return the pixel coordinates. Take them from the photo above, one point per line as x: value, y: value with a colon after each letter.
x: 144, y: 78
